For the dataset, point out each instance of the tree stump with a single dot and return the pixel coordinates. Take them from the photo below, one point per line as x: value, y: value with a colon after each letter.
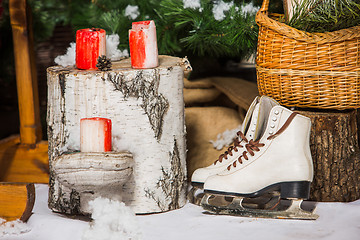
x: 335, y: 152
x: 146, y: 108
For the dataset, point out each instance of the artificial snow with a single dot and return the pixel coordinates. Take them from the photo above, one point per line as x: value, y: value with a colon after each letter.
x: 15, y: 227
x: 112, y: 220
x: 69, y: 58
x: 336, y: 221
x: 132, y: 12
x: 249, y: 8
x: 112, y: 52
x: 193, y: 4
x: 226, y: 138
x: 219, y: 9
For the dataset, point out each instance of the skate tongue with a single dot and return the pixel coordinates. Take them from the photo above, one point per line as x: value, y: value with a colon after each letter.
x: 265, y: 106
x: 246, y: 123
x: 250, y: 132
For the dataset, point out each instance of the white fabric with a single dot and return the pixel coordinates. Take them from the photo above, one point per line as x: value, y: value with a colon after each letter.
x: 336, y: 221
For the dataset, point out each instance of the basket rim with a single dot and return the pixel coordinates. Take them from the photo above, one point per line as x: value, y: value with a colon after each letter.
x: 263, y: 20
x: 306, y: 72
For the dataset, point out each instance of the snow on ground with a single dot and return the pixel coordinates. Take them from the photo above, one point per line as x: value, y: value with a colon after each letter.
x: 15, y: 227
x: 112, y: 221
x: 336, y: 221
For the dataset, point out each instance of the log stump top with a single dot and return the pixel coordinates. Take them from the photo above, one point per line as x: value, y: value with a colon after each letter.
x: 125, y: 65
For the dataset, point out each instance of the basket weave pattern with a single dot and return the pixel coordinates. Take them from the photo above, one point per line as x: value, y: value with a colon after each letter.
x: 309, y: 70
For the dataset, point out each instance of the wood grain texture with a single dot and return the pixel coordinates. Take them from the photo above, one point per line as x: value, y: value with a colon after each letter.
x: 84, y: 170
x: 335, y: 152
x: 17, y: 201
x: 26, y: 79
x: 21, y: 163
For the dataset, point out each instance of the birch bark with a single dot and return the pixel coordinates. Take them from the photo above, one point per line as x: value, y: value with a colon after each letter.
x: 147, y: 112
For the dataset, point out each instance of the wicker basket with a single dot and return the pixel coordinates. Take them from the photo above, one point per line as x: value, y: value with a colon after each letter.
x: 308, y: 70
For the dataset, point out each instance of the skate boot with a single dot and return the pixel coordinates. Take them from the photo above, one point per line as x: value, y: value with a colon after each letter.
x: 249, y: 128
x: 278, y: 159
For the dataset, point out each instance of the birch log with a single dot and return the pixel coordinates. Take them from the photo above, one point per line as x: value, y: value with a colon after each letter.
x: 147, y: 112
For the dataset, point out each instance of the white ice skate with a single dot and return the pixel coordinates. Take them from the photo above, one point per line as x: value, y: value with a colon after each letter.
x: 249, y: 128
x: 278, y: 160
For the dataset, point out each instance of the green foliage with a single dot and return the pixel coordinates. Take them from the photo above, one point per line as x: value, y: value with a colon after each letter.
x: 197, y: 31
x: 326, y: 15
x: 180, y: 30
x: 46, y: 15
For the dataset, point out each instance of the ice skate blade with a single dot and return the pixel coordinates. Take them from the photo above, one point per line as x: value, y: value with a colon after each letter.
x: 195, y: 195
x: 235, y: 208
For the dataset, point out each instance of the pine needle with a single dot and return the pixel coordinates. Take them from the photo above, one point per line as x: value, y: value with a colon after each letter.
x: 326, y: 15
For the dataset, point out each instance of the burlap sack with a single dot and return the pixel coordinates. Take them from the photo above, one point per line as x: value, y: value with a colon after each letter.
x: 196, y: 96
x: 207, y: 114
x: 203, y: 124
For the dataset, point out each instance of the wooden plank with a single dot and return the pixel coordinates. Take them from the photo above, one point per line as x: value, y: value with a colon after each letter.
x: 17, y: 201
x: 20, y: 163
x: 30, y: 126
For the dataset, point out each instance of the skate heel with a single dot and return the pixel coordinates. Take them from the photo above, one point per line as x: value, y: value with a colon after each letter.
x: 299, y: 189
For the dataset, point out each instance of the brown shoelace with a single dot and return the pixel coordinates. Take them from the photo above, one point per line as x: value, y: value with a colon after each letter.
x: 236, y: 144
x: 252, y: 145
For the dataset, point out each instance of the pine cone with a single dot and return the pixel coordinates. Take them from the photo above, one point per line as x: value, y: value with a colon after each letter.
x: 104, y: 63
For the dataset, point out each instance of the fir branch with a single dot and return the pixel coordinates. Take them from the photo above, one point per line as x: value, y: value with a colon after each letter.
x: 179, y: 30
x: 202, y: 35
x: 111, y: 21
x: 326, y: 15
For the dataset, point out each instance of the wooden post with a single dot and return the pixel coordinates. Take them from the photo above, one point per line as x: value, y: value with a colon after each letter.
x: 335, y: 152
x: 30, y: 126
x: 24, y: 158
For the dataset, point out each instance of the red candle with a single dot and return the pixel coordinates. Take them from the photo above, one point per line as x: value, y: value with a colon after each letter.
x: 90, y: 44
x: 95, y: 134
x: 143, y: 45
